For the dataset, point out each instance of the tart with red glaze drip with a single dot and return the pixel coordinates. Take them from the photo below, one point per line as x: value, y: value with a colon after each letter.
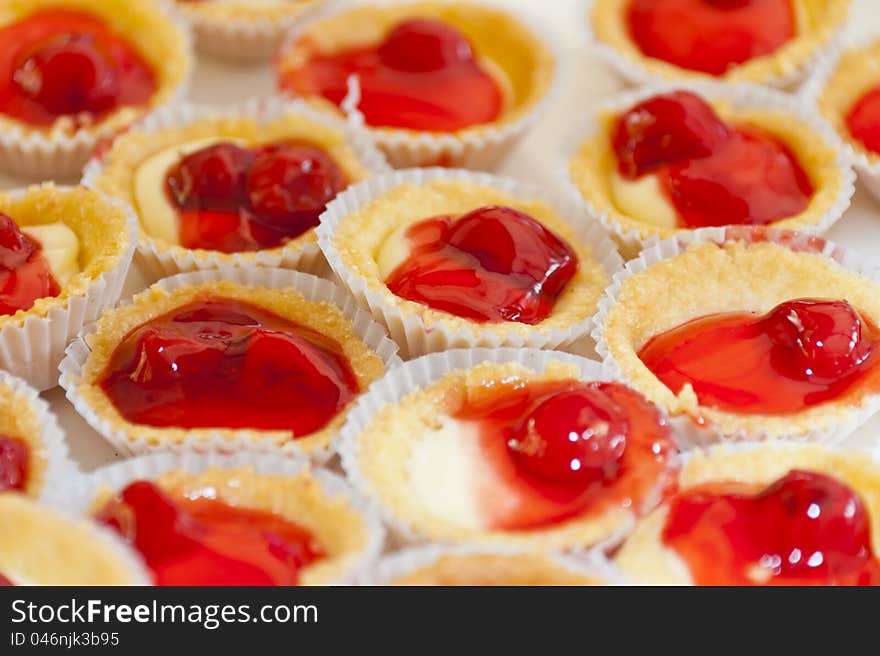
x: 226, y: 359
x: 772, y: 338
x: 787, y: 515
x: 237, y: 524
x: 532, y: 459
x: 462, y: 256
x: 422, y: 68
x: 763, y: 41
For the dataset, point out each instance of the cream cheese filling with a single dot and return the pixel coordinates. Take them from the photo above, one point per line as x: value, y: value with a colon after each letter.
x: 643, y: 200
x: 60, y: 247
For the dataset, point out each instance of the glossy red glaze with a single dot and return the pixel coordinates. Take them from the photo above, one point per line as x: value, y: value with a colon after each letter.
x: 710, y: 36
x: 219, y: 363
x: 494, y: 264
x: 205, y: 541
x: 804, y: 529
x: 14, y: 459
x: 712, y: 174
x: 423, y: 76
x: 25, y: 275
x: 234, y: 199
x: 863, y: 120
x: 803, y: 353
x: 4, y: 582
x: 60, y: 62
x: 540, y: 475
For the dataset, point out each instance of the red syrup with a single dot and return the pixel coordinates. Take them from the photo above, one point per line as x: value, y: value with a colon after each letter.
x: 804, y: 529
x: 4, y: 582
x: 219, y: 363
x: 863, y: 120
x: 14, y: 459
x: 208, y: 542
x: 25, y: 275
x: 713, y: 174
x: 562, y: 449
x: 59, y: 62
x: 802, y: 353
x: 233, y: 199
x: 710, y: 36
x: 423, y: 76
x: 494, y: 264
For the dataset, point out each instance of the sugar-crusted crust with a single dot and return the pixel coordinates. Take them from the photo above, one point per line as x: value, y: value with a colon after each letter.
x: 338, y: 526
x: 361, y: 235
x: 100, y: 227
x: 817, y: 23
x: 857, y: 72
x: 707, y: 279
x: 39, y: 547
x: 646, y: 560
x: 591, y: 168
x: 114, y: 325
x: 385, y: 446
x: 245, y: 10
x: 520, y: 62
x: 130, y: 150
x: 492, y: 570
x: 145, y: 26
x: 20, y: 420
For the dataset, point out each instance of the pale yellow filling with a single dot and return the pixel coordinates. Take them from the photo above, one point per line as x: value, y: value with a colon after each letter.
x: 60, y: 248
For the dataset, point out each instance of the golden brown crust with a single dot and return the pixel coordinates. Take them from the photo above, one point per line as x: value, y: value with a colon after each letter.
x: 644, y: 558
x: 113, y: 325
x: 736, y: 277
x: 493, y: 570
x: 100, y: 226
x: 339, y: 527
x: 144, y: 26
x: 592, y: 166
x: 818, y: 22
x: 20, y: 420
x: 361, y: 234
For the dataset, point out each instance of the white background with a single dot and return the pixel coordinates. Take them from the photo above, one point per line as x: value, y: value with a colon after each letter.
x: 536, y: 160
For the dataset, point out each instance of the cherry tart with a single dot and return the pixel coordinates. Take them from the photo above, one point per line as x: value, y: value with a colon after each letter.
x: 235, y: 520
x: 42, y: 547
x: 513, y: 474
x: 667, y: 160
x: 265, y: 357
x: 243, y: 187
x: 765, y: 334
x: 779, y: 514
x: 438, y: 83
x: 73, y: 72
x: 763, y: 41
x: 448, y: 259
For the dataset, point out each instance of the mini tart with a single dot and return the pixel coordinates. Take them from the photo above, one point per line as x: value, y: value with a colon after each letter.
x: 287, y: 302
x: 593, y: 163
x: 311, y: 498
x: 742, y: 273
x: 520, y: 62
x: 243, y: 30
x: 388, y: 457
x: 352, y: 235
x: 116, y: 173
x: 34, y: 340
x: 819, y: 23
x: 646, y: 560
x: 61, y: 150
x: 39, y: 547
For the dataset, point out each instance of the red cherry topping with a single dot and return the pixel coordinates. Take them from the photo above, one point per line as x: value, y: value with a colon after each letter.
x: 423, y: 76
x: 710, y: 36
x: 863, y: 120
x: 493, y: 264
x: 220, y: 363
x: 208, y: 542
x: 14, y: 459
x: 4, y: 582
x: 234, y: 199
x: 25, y: 275
x: 563, y: 448
x: 802, y: 353
x: 804, y: 529
x: 59, y: 62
